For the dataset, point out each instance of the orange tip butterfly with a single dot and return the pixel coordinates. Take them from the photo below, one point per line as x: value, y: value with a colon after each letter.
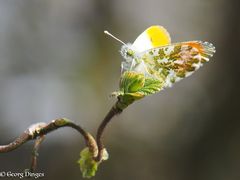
x: 153, y: 54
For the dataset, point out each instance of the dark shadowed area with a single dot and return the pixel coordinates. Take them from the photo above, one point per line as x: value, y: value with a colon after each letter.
x: 55, y: 61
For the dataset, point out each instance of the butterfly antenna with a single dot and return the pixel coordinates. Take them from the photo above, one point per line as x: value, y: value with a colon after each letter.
x: 106, y: 32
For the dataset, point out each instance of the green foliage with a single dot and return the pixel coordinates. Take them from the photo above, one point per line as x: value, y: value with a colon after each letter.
x: 151, y: 86
x: 88, y: 165
x: 131, y: 81
x: 134, y: 86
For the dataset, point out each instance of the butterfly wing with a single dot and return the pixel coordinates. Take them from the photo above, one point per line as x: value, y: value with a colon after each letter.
x: 152, y: 37
x: 173, y: 62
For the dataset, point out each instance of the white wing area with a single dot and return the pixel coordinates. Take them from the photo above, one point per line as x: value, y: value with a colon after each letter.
x: 142, y: 43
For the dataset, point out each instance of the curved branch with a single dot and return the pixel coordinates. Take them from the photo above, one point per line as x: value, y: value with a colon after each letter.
x: 24, y: 137
x: 113, y: 111
x: 40, y: 129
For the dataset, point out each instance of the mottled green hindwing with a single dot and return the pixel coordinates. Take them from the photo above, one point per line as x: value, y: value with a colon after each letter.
x: 173, y: 62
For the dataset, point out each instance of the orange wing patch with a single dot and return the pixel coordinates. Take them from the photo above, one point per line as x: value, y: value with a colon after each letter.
x: 196, y: 45
x: 204, y: 49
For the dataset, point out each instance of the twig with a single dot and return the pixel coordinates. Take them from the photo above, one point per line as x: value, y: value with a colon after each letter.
x: 41, y: 129
x: 114, y: 111
x: 24, y: 137
x: 36, y: 147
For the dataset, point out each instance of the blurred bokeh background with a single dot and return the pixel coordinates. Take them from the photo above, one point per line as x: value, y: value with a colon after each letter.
x: 55, y: 62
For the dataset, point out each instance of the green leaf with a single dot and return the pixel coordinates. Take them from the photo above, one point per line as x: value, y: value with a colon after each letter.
x: 134, y: 86
x: 131, y: 81
x: 88, y: 165
x: 128, y: 98
x: 151, y: 86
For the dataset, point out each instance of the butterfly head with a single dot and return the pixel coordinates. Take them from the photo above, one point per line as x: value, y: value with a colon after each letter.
x: 127, y: 52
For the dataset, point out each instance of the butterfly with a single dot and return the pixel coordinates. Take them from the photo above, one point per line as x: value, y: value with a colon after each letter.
x: 153, y: 54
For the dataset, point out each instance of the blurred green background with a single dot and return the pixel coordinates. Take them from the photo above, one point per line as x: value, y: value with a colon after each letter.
x: 55, y: 62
